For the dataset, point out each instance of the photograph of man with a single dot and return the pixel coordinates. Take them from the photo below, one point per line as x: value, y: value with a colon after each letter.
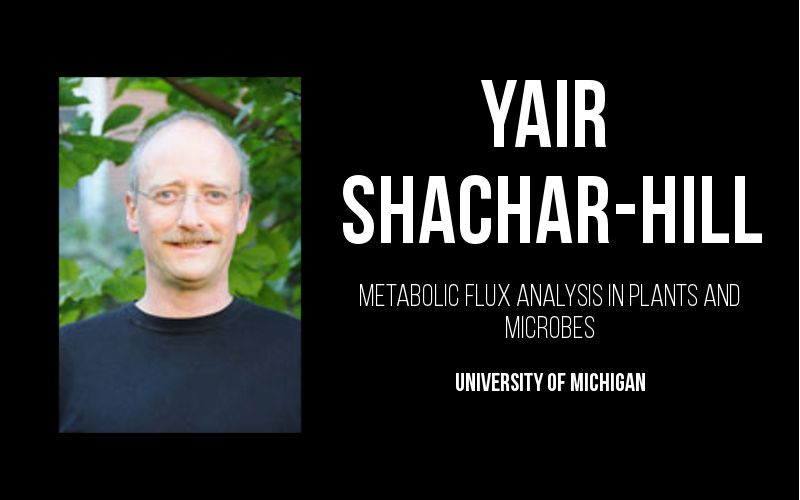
x: 187, y: 356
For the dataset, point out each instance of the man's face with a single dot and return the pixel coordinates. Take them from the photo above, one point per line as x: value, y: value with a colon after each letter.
x: 188, y: 241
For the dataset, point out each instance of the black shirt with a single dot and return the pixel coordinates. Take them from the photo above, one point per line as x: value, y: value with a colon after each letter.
x: 237, y: 370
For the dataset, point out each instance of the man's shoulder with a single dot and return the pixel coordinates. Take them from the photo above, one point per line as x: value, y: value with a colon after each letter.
x: 270, y: 319
x: 273, y: 317
x: 96, y: 324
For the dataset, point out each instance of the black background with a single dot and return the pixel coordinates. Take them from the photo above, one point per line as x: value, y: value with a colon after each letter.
x: 722, y: 389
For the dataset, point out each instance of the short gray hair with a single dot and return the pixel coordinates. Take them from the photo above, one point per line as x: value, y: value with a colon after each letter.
x: 136, y: 156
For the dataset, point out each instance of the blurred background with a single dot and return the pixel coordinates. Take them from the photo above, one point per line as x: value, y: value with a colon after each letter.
x: 100, y: 118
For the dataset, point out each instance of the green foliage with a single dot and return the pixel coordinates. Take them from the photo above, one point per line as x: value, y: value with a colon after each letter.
x: 80, y: 155
x: 81, y: 125
x: 266, y: 264
x: 66, y: 95
x: 123, y: 115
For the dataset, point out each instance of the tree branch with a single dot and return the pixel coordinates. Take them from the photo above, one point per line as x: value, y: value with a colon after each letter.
x: 209, y: 100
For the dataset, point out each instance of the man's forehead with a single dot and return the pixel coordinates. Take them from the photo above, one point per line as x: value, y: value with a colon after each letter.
x: 160, y: 181
x: 189, y: 173
x: 190, y: 141
x: 189, y: 152
x: 187, y: 129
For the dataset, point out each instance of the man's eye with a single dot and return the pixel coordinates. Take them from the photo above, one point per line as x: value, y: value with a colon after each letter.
x: 166, y: 195
x: 216, y: 196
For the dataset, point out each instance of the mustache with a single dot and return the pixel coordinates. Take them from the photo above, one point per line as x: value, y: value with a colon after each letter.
x: 184, y: 238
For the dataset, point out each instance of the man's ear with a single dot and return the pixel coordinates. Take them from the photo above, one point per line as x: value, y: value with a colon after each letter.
x: 130, y: 214
x: 244, y: 214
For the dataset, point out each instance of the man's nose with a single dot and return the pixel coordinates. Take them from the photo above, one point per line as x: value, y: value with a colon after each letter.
x: 190, y: 214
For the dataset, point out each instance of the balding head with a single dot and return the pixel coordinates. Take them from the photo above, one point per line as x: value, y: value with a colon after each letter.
x: 187, y: 138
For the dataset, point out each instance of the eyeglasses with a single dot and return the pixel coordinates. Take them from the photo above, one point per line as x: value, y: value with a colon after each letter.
x: 170, y: 197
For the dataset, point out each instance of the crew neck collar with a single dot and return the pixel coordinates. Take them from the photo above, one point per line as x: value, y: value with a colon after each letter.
x: 180, y: 326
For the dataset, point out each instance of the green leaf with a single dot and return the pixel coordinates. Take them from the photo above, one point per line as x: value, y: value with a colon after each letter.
x: 125, y: 289
x: 68, y: 317
x: 270, y: 91
x: 68, y: 172
x: 100, y: 147
x: 91, y: 283
x: 270, y: 298
x: 68, y: 270
x: 92, y: 307
x: 66, y: 97
x: 123, y: 115
x: 133, y: 264
x: 122, y: 84
x: 82, y: 124
x: 65, y: 290
x: 261, y: 210
x: 80, y: 155
x: 255, y: 257
x: 151, y: 83
x: 293, y: 83
x: 244, y: 281
x: 284, y: 266
x: 72, y: 165
x: 121, y: 152
x: 277, y: 241
x: 69, y: 82
x: 247, y: 236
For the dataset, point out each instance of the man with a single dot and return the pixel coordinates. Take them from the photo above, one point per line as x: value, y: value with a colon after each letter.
x: 187, y: 357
